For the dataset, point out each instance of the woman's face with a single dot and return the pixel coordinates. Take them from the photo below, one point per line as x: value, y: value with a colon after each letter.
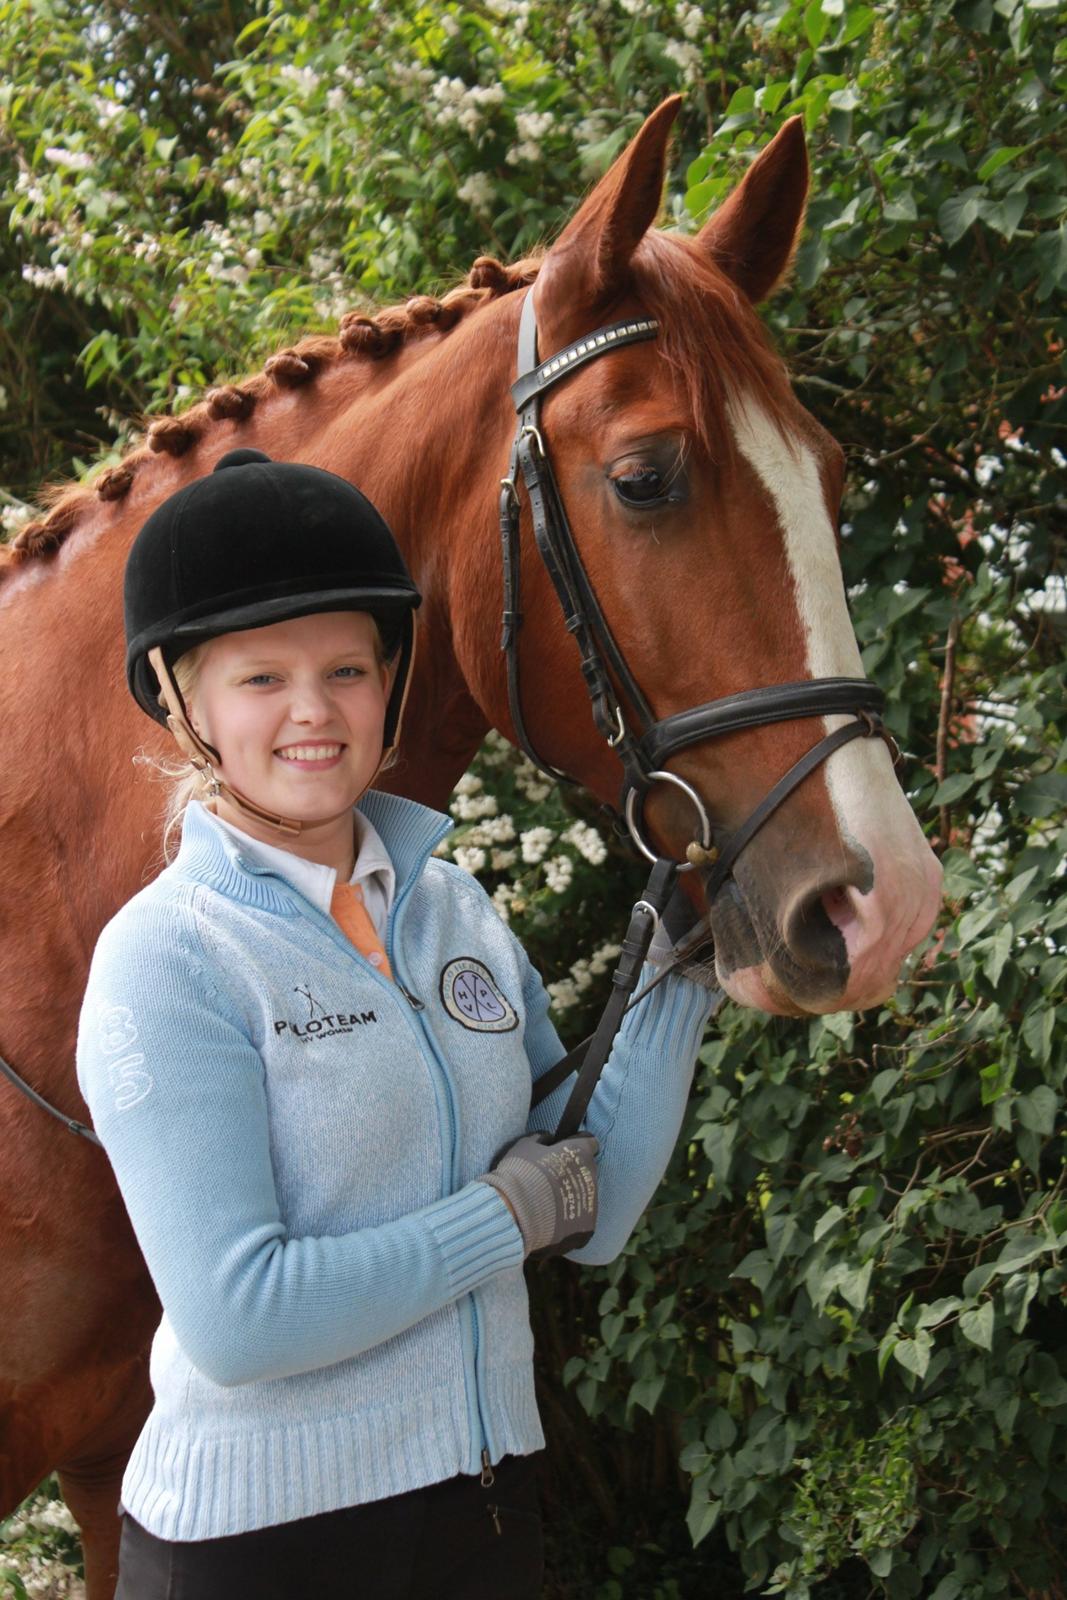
x: 296, y: 710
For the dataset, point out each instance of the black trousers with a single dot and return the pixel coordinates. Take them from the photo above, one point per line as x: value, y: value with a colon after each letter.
x: 452, y: 1541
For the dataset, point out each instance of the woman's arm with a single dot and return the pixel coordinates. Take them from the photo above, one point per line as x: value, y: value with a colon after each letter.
x: 176, y: 1092
x: 637, y: 1108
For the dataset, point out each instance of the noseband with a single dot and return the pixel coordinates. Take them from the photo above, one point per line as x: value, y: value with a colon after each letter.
x: 646, y: 744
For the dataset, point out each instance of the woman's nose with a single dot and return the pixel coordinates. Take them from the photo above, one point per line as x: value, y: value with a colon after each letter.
x: 311, y: 703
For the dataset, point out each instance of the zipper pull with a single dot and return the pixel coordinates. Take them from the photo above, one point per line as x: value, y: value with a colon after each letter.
x: 494, y: 1512
x: 413, y: 1000
x: 488, y: 1477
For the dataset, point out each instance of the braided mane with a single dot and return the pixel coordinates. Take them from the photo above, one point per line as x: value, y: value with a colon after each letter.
x: 677, y: 282
x: 359, y: 335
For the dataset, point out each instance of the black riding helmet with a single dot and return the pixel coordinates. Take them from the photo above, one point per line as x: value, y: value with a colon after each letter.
x: 259, y: 541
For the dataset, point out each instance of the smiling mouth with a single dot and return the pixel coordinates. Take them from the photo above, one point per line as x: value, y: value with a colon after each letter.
x: 310, y: 752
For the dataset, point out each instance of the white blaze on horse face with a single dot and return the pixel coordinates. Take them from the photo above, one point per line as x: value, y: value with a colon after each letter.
x: 882, y: 925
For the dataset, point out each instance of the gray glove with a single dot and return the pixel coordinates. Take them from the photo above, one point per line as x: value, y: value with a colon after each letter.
x: 551, y: 1188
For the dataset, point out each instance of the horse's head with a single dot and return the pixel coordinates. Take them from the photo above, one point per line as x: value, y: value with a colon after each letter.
x: 703, y: 499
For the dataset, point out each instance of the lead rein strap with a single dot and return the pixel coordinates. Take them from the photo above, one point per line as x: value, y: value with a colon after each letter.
x: 550, y: 1081
x: 638, y: 937
x: 71, y: 1123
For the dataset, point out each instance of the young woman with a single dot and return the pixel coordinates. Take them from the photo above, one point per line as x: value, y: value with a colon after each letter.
x: 308, y: 1047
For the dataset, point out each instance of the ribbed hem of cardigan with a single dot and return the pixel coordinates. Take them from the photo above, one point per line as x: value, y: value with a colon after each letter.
x: 188, y: 1486
x: 477, y: 1236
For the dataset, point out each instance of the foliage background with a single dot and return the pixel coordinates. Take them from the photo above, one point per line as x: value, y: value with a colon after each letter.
x: 835, y: 1346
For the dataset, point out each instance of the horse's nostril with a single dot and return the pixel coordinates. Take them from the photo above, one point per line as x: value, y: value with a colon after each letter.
x: 840, y: 907
x: 815, y: 928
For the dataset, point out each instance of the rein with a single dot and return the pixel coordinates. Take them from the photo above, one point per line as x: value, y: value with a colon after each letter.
x: 642, y: 749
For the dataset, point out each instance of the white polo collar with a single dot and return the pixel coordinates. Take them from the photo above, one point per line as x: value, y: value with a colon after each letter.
x: 310, y: 878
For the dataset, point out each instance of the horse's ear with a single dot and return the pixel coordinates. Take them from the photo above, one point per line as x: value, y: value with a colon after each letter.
x: 589, y: 264
x: 753, y: 235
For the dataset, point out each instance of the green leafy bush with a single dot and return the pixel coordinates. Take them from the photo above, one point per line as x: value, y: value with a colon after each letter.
x: 843, y: 1316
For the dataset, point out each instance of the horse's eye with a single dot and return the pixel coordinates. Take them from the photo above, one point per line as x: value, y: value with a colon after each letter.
x: 640, y: 486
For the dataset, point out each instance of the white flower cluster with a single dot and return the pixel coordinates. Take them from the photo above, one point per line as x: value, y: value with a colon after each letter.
x: 226, y: 262
x: 320, y: 264
x: 531, y: 783
x: 12, y: 518
x: 468, y: 803
x: 691, y: 19
x: 531, y: 127
x: 558, y: 873
x: 72, y: 160
x: 591, y: 129
x: 107, y: 110
x: 411, y: 74
x: 687, y: 57
x: 502, y: 901
x: 477, y: 191
x: 462, y: 104
x: 534, y: 844
x: 515, y: 12
x: 53, y: 1515
x: 587, y: 842
x: 493, y: 830
x: 470, y: 857
x: 45, y: 277
x: 26, y: 184
x: 43, y: 1575
x: 566, y: 992
x: 305, y: 80
x: 496, y: 750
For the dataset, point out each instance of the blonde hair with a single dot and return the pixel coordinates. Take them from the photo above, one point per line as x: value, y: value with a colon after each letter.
x: 188, y: 782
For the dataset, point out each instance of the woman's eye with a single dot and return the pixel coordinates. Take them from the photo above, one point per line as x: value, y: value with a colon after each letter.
x: 260, y: 677
x: 645, y: 486
x: 349, y: 672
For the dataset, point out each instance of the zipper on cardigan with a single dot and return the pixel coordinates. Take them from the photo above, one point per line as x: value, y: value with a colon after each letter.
x: 488, y: 1476
x: 471, y: 1304
x: 476, y: 1335
x: 412, y: 999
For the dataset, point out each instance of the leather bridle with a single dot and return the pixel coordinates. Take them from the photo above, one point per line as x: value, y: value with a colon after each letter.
x: 615, y: 695
x: 643, y: 742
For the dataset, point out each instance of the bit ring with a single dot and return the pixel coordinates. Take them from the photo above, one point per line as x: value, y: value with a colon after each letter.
x: 633, y: 820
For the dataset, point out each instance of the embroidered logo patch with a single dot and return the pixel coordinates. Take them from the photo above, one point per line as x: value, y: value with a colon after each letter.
x: 472, y: 995
x: 320, y: 1023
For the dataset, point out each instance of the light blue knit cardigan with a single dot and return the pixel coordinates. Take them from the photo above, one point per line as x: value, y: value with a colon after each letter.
x: 298, y: 1140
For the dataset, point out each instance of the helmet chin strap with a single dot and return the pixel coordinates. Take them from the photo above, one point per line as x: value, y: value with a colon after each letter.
x: 205, y: 758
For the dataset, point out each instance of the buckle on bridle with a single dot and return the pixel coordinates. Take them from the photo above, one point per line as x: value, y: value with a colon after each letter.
x: 876, y: 729
x: 529, y: 431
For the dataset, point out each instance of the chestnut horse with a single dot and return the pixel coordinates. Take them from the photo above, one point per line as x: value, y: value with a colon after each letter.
x: 726, y: 580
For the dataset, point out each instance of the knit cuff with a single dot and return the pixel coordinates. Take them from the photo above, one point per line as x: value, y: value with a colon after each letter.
x: 476, y: 1235
x: 530, y: 1192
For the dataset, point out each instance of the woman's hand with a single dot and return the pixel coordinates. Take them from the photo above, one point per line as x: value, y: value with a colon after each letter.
x: 550, y: 1189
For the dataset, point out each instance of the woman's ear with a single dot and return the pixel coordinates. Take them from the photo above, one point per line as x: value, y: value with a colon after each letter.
x: 197, y: 721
